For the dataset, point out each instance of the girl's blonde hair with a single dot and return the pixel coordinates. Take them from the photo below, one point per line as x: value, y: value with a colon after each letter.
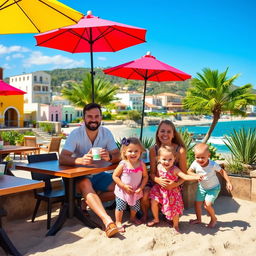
x: 126, y: 142
x: 176, y: 136
x: 165, y: 149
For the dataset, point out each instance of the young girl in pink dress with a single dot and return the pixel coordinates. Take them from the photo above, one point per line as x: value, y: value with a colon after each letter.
x: 170, y: 200
x: 130, y: 177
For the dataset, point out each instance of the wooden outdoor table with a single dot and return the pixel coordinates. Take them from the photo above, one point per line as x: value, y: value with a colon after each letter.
x: 10, y: 185
x: 7, y: 149
x: 68, y: 173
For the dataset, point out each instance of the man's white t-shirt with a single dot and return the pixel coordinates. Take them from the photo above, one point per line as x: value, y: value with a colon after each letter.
x: 210, y: 180
x: 79, y: 143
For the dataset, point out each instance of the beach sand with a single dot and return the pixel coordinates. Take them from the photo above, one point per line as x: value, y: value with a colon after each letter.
x: 234, y: 235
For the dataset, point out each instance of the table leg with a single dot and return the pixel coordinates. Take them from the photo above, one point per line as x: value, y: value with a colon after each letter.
x: 7, y: 244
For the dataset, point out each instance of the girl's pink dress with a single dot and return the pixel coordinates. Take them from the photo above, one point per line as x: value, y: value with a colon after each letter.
x: 171, y: 200
x: 133, y: 178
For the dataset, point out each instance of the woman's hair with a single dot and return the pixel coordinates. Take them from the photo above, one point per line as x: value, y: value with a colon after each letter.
x: 126, y: 142
x: 176, y: 136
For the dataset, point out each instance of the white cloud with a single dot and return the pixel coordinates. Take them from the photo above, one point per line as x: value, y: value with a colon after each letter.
x: 14, y: 56
x: 17, y: 55
x: 7, y: 66
x: 11, y: 49
x: 102, y: 58
x: 37, y: 58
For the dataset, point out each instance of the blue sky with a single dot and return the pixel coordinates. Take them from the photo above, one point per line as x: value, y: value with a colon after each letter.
x: 186, y: 34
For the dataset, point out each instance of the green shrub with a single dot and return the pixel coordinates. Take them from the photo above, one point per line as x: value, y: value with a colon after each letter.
x: 242, y: 145
x: 106, y: 115
x: 134, y: 115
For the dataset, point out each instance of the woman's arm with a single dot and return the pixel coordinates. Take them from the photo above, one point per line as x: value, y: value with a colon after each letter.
x: 184, y: 176
x: 144, y: 178
x: 116, y: 177
x: 183, y: 159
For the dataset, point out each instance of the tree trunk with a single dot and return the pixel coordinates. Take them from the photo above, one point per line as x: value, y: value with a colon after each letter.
x: 216, y: 117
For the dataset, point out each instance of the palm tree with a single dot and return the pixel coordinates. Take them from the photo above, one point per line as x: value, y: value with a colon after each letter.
x: 213, y: 93
x: 81, y: 93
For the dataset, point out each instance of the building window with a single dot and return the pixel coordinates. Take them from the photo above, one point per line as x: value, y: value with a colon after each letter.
x: 27, y: 77
x: 41, y: 79
x: 23, y: 78
x: 35, y: 78
x: 19, y: 78
x: 52, y: 117
x: 57, y: 117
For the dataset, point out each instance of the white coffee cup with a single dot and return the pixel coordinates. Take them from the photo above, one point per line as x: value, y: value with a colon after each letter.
x: 1, y: 144
x: 96, y: 153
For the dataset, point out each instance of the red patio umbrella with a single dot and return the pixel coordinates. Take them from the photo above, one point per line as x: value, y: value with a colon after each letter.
x: 147, y: 68
x: 6, y: 89
x: 92, y: 34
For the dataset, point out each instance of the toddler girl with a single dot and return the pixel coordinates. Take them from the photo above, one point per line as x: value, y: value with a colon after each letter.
x: 130, y: 177
x: 170, y: 199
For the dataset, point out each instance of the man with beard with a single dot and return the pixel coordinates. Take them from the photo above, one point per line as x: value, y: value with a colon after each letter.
x: 77, y: 150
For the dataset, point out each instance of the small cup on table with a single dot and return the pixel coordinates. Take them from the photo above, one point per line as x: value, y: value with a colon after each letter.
x: 96, y: 153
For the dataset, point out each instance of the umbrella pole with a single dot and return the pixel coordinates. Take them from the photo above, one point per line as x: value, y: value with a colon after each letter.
x: 143, y: 106
x: 92, y: 71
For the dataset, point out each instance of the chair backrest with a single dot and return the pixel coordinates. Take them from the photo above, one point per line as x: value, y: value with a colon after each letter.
x: 3, y: 167
x: 40, y: 176
x: 54, y: 144
x: 30, y: 141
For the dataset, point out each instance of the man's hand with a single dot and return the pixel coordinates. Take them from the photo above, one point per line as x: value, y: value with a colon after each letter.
x: 104, y: 154
x: 87, y: 159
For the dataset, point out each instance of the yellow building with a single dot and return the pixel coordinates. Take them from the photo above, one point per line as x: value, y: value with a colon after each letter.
x: 11, y: 111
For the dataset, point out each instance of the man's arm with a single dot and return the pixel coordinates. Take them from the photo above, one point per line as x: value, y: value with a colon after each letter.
x: 112, y: 156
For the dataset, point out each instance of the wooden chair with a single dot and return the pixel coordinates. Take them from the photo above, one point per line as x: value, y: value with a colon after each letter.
x: 48, y: 195
x: 29, y: 141
x: 53, y: 146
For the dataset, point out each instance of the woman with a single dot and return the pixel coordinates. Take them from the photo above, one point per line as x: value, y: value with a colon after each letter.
x: 167, y: 135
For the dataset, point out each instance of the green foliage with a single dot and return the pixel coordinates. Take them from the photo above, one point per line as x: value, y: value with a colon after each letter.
x: 47, y: 127
x: 76, y: 75
x: 14, y: 137
x: 134, y: 115
x: 242, y: 145
x: 147, y: 142
x: 107, y: 115
x: 213, y: 93
x: 81, y: 93
x: 77, y: 120
x: 234, y: 167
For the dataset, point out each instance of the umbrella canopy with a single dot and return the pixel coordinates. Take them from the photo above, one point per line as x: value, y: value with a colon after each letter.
x: 92, y: 34
x: 35, y: 16
x: 6, y: 89
x: 147, y: 68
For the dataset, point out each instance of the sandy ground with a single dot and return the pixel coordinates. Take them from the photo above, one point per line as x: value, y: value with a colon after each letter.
x: 234, y: 235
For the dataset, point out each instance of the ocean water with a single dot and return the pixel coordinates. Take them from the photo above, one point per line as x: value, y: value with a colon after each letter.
x: 221, y: 130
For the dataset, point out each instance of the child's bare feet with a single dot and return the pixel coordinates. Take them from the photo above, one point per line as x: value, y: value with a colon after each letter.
x: 136, y: 221
x: 196, y: 221
x: 212, y: 223
x: 152, y: 223
x: 121, y: 229
x: 177, y: 230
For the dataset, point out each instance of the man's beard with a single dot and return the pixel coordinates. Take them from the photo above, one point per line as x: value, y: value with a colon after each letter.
x: 92, y: 128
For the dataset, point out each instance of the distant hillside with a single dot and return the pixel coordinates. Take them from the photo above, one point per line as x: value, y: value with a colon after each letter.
x: 77, y: 74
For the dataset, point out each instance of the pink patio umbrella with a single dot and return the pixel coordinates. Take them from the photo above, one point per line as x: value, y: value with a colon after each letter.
x: 147, y: 68
x: 6, y: 89
x: 92, y: 34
